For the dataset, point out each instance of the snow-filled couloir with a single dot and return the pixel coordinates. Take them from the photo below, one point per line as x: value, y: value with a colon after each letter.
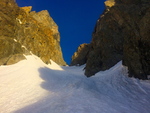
x: 31, y: 86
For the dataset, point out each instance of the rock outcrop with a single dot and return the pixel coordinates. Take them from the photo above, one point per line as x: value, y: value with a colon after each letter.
x: 80, y: 57
x: 136, y: 47
x: 23, y: 31
x: 121, y: 33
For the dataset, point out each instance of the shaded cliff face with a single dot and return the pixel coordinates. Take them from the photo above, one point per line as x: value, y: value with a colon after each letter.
x: 23, y: 31
x: 121, y: 33
x: 80, y: 57
x: 136, y: 46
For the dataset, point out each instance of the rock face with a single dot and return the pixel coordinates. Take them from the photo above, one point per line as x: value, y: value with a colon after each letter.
x: 80, y: 57
x: 121, y: 33
x: 23, y: 31
x: 136, y: 55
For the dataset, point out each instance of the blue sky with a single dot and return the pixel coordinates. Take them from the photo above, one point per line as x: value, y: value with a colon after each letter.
x: 76, y: 20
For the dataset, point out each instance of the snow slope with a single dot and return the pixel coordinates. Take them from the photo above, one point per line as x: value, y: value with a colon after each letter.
x: 31, y: 86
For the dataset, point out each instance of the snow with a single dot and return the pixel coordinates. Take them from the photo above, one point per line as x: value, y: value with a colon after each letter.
x: 15, y: 40
x: 19, y: 21
x: 31, y: 86
x: 24, y: 47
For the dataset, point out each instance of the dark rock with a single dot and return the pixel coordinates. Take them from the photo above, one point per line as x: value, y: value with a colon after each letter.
x: 121, y: 33
x: 137, y: 41
x: 23, y: 31
x: 80, y: 56
x: 107, y: 43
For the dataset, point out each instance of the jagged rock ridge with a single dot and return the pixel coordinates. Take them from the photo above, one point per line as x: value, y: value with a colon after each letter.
x: 121, y: 33
x: 23, y: 31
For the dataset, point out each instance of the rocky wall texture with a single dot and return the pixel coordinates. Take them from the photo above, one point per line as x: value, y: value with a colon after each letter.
x: 121, y: 33
x: 81, y: 55
x: 23, y: 31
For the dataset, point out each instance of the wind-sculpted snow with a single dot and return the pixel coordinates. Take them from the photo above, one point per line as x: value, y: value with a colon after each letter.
x: 30, y: 86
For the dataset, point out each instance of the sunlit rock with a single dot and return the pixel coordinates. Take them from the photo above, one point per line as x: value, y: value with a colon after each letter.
x: 37, y: 32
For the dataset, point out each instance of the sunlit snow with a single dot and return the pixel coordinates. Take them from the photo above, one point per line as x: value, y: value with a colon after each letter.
x: 31, y: 86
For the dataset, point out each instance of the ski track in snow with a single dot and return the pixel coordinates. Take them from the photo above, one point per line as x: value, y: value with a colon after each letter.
x: 31, y: 86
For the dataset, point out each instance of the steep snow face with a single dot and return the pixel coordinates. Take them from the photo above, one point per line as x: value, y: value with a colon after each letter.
x: 30, y: 86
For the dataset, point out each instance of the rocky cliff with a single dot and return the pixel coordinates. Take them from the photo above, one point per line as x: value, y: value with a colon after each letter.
x: 121, y: 33
x: 80, y: 56
x: 23, y: 32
